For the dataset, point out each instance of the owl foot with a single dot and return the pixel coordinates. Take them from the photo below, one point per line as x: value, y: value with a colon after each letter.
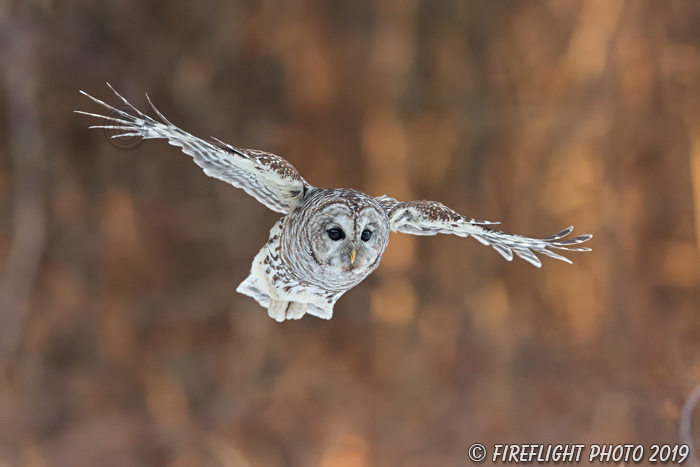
x: 296, y: 310
x: 279, y: 310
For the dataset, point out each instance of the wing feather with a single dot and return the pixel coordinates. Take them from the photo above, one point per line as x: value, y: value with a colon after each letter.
x: 269, y: 178
x: 431, y: 218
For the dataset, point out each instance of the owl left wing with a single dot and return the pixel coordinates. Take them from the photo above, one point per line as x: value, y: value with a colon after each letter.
x: 432, y: 217
x: 269, y: 178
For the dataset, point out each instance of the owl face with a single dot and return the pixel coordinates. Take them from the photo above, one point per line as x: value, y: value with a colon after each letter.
x: 348, y: 239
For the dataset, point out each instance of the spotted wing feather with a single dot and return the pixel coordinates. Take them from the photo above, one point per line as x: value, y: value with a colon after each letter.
x: 269, y: 178
x: 432, y: 217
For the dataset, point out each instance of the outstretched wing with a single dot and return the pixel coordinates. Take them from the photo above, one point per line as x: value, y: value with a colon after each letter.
x: 431, y: 217
x: 270, y: 179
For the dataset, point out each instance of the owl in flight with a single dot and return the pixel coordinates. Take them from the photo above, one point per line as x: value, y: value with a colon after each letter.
x: 329, y: 240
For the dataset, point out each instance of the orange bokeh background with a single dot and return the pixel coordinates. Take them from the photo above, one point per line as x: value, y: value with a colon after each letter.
x: 123, y: 341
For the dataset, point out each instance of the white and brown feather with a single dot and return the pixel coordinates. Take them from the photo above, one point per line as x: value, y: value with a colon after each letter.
x: 432, y: 217
x: 288, y: 271
x: 269, y: 178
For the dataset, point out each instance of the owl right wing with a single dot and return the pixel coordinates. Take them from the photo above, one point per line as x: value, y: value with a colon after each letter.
x: 269, y: 178
x: 432, y: 217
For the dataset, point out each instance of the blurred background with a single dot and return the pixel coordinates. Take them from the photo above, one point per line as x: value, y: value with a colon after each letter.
x: 123, y: 341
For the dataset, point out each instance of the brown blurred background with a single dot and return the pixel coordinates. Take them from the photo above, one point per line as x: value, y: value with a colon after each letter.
x: 123, y: 342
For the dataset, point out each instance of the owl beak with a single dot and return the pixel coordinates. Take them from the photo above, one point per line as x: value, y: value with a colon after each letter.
x: 353, y: 253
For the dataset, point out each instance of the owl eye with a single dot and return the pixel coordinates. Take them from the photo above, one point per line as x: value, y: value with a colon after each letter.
x: 336, y: 234
x: 366, y: 235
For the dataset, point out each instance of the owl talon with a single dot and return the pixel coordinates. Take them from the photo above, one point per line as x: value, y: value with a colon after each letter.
x: 278, y: 310
x: 296, y: 310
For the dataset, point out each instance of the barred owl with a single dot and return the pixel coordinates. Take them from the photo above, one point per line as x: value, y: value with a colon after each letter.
x: 329, y: 240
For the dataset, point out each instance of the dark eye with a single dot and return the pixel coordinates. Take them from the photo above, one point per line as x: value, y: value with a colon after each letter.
x: 336, y: 234
x: 366, y: 235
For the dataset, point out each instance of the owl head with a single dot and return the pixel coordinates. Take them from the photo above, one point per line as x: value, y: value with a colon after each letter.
x: 347, y: 231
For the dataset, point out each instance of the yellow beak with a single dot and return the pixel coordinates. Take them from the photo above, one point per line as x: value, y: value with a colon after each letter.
x: 353, y: 253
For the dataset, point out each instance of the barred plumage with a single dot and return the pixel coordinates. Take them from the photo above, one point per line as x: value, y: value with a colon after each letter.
x: 432, y: 217
x: 329, y: 240
x: 270, y: 179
